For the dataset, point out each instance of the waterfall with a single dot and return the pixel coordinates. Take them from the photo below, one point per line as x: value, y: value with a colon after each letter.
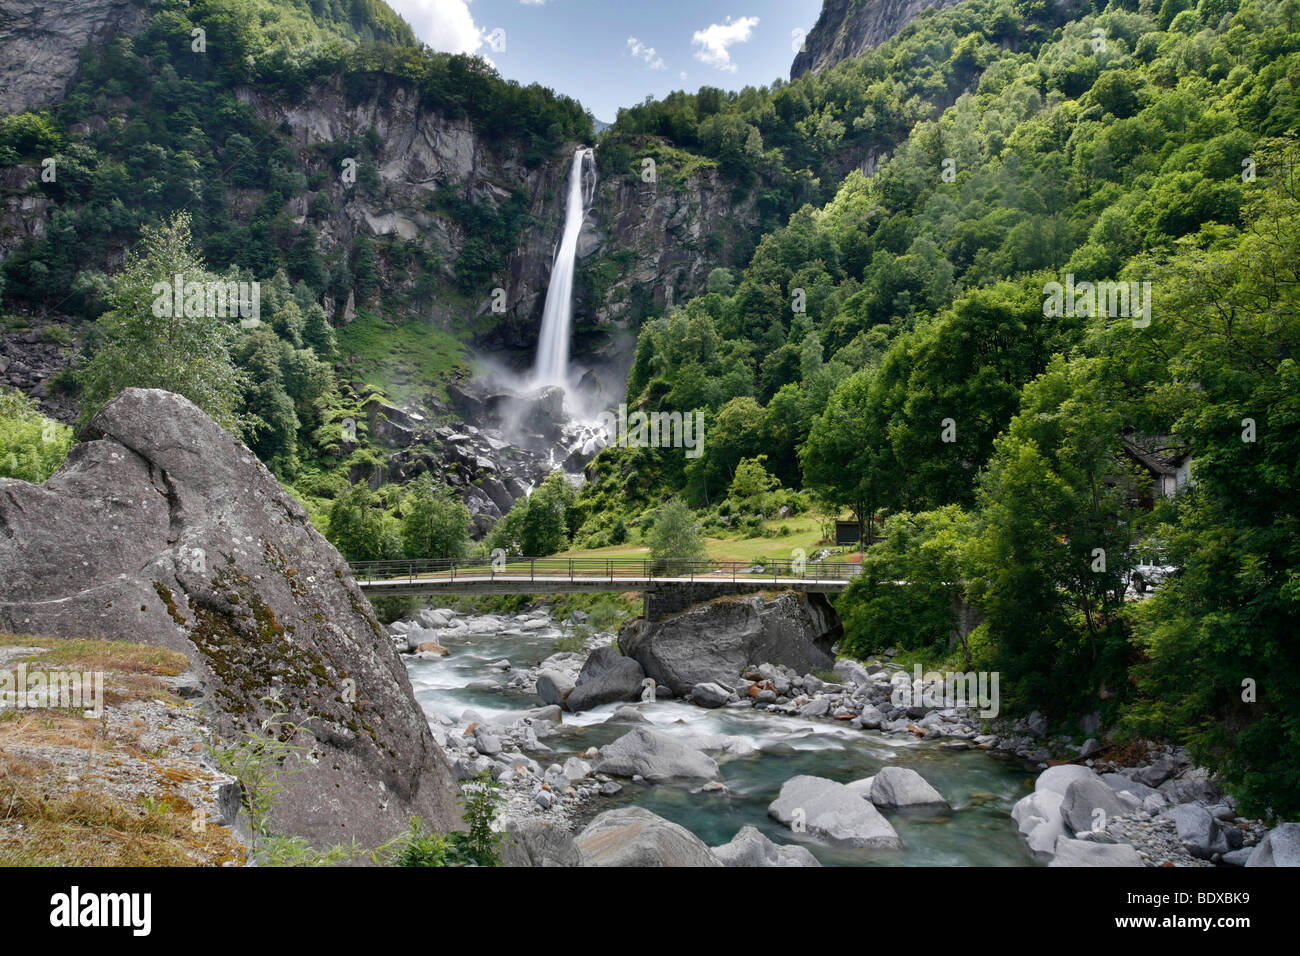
x: 552, y: 364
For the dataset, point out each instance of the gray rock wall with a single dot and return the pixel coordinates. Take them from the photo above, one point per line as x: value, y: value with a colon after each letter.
x: 41, y: 42
x: 848, y: 28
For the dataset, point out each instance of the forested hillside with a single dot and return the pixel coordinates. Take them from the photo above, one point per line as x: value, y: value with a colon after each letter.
x: 893, y: 352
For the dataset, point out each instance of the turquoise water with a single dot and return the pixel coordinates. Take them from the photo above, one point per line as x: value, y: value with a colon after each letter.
x: 981, y: 788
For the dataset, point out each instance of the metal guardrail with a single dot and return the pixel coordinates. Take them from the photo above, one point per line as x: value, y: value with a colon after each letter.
x: 599, y: 569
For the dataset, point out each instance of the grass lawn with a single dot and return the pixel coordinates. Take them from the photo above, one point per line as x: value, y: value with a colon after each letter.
x: 404, y: 359
x: 805, y: 532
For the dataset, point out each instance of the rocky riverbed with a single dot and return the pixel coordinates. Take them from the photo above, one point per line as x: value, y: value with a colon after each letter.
x: 777, y: 768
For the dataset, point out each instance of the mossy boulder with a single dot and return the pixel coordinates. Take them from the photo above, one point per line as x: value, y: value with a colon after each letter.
x: 162, y: 528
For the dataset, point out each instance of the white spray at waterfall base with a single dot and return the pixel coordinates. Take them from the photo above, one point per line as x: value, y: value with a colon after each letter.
x: 552, y: 364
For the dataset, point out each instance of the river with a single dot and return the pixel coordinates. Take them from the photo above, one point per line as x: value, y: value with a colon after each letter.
x: 981, y: 788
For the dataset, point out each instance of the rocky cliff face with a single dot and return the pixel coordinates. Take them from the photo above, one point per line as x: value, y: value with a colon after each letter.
x: 40, y: 43
x: 162, y: 528
x: 658, y: 242
x: 848, y: 28
x: 643, y: 243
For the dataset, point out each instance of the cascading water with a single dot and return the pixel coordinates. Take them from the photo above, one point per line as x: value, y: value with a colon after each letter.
x: 552, y: 364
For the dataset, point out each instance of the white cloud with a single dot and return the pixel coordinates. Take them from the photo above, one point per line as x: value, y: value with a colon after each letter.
x: 446, y: 25
x: 646, y: 53
x: 713, y: 42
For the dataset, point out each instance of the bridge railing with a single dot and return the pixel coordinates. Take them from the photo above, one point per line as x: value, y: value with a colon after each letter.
x: 597, y: 568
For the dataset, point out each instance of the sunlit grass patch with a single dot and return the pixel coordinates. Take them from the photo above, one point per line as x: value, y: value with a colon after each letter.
x: 40, y: 826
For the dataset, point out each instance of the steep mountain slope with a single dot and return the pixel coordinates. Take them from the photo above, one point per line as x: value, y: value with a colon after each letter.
x: 40, y: 45
x: 848, y: 28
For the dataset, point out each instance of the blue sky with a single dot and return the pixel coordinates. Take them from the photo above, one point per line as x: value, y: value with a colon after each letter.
x: 612, y: 53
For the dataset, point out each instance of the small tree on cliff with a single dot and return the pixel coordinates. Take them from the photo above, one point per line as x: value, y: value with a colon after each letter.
x: 187, y: 354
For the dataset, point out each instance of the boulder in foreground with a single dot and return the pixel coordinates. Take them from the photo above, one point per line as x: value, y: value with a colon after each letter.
x: 162, y: 528
x: 633, y: 836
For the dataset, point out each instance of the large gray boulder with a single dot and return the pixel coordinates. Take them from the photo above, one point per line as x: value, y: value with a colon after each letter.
x: 554, y: 686
x: 635, y: 837
x: 832, y: 812
x: 1280, y: 847
x: 1087, y: 853
x: 162, y: 528
x: 1088, y: 804
x: 655, y: 756
x: 716, y: 640
x: 898, y: 788
x: 710, y: 695
x: 1197, y: 829
x: 538, y: 843
x: 1058, y: 779
x: 606, y: 677
x: 750, y: 847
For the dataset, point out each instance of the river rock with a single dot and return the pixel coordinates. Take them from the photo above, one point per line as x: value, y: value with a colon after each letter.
x: 160, y: 527
x: 898, y: 788
x: 575, y: 768
x: 851, y: 673
x: 1122, y: 784
x: 1038, y: 817
x: 1197, y: 829
x: 1157, y: 773
x: 710, y: 695
x: 715, y: 641
x: 633, y: 836
x: 1087, y: 853
x: 1058, y: 779
x: 1194, y: 785
x: 434, y: 617
x: 1083, y: 798
x: 627, y: 714
x: 607, y: 676
x: 534, y: 842
x: 1280, y: 847
x: 750, y: 847
x: 654, y: 756
x: 554, y: 687
x: 817, y: 707
x: 862, y: 787
x: 834, y: 813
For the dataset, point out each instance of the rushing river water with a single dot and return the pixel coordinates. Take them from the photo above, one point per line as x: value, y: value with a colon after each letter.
x: 981, y: 788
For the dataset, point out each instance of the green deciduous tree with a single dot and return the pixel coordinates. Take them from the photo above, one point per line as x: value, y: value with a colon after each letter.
x: 183, y: 353
x: 435, y: 522
x: 673, y: 536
